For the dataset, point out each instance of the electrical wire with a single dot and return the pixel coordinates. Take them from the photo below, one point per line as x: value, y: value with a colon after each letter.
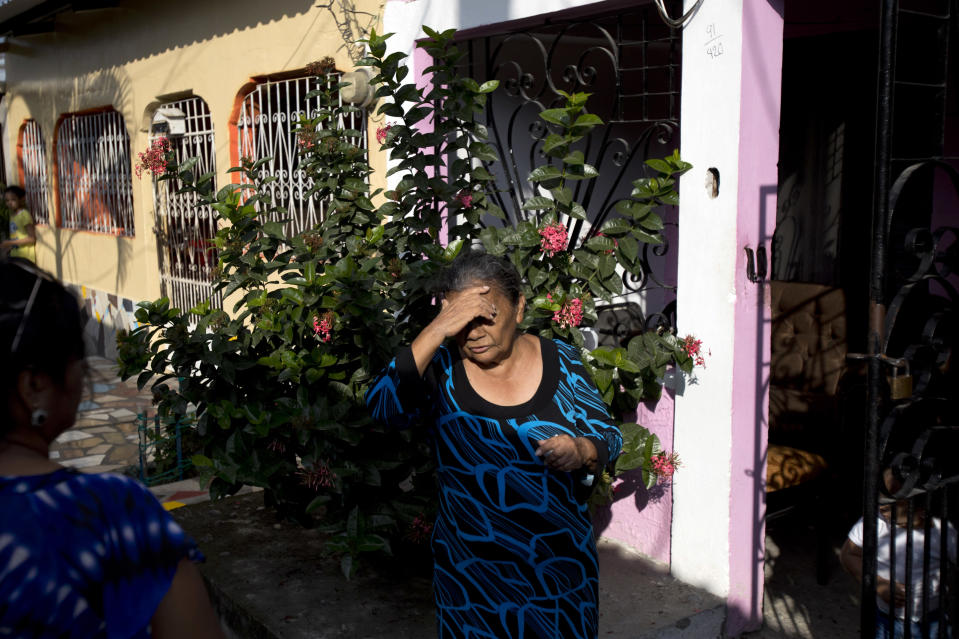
x: 681, y: 22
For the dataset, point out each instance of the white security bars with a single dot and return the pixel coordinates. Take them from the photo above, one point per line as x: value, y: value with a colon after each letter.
x: 32, y: 157
x: 184, y: 227
x: 268, y: 119
x: 94, y: 184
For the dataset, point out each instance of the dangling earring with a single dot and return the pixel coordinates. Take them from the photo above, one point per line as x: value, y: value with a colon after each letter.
x: 38, y: 417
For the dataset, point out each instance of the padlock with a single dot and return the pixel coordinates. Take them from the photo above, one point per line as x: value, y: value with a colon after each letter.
x: 900, y: 386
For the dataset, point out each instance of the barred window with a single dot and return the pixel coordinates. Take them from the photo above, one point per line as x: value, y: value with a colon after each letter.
x: 185, y: 227
x: 266, y: 127
x: 94, y: 182
x: 32, y: 164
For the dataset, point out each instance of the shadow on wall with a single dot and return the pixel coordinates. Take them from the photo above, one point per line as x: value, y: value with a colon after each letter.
x: 102, y: 89
x: 154, y: 28
x: 630, y: 487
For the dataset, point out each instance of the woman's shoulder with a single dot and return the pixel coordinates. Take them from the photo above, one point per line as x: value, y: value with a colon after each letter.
x: 564, y: 349
x: 70, y: 485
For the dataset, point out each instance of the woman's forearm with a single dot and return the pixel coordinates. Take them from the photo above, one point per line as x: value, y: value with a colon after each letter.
x: 425, y: 345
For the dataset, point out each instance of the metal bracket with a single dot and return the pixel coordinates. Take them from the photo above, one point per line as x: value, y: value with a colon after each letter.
x: 756, y: 266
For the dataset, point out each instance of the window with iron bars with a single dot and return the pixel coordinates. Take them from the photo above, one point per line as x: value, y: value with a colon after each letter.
x: 94, y: 181
x: 184, y: 227
x: 32, y: 165
x: 266, y: 128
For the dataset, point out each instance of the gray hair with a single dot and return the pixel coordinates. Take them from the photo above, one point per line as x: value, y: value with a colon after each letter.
x: 471, y: 266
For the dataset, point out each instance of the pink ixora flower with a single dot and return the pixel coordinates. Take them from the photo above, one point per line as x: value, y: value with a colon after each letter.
x: 420, y: 530
x: 694, y: 348
x: 154, y: 158
x: 323, y: 327
x: 317, y: 476
x: 664, y: 466
x: 554, y: 238
x: 571, y: 314
x: 381, y: 133
x: 465, y: 198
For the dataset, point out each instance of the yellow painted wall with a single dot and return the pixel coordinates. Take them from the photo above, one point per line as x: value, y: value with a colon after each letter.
x: 128, y: 57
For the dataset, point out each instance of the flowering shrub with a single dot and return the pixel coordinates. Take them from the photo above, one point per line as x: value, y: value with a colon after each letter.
x: 694, y: 350
x: 155, y: 159
x: 278, y: 382
x: 420, y: 530
x: 323, y: 327
x: 569, y: 313
x: 554, y: 239
x: 465, y: 198
x: 664, y: 465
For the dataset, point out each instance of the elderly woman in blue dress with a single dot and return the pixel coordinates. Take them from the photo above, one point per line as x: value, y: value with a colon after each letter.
x: 518, y: 432
x: 81, y: 556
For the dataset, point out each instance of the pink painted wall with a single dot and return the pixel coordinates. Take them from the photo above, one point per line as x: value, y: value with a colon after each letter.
x: 756, y: 219
x: 638, y: 517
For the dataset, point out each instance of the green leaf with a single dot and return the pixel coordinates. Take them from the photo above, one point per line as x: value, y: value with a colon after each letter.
x: 646, y: 238
x: 563, y: 195
x: 452, y: 250
x: 202, y: 461
x: 489, y: 86
x: 538, y: 202
x: 629, y: 249
x: 588, y: 119
x: 495, y: 211
x: 652, y: 222
x: 606, y: 355
x: 554, y: 142
x: 347, y: 566
x: 542, y: 173
x: 556, y: 116
x: 575, y: 158
x: 577, y: 211
x: 607, y: 264
x: 660, y: 165
x: 320, y: 500
x: 274, y: 230
x: 616, y: 227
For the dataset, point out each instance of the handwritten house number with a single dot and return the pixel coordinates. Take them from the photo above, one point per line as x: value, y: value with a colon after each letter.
x: 714, y: 43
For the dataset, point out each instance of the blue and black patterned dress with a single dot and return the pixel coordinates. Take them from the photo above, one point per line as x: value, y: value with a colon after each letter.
x: 513, y: 548
x: 84, y: 556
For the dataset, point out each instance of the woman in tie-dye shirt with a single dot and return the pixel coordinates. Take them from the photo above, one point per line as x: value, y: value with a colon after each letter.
x: 84, y: 556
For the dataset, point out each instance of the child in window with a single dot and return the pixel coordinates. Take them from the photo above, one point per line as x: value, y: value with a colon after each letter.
x: 23, y: 232
x: 895, y: 594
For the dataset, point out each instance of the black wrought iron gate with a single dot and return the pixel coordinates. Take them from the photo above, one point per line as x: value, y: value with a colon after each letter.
x: 629, y: 60
x: 911, y: 496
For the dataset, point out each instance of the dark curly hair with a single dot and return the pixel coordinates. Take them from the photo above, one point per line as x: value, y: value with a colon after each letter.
x: 16, y: 190
x: 41, y: 327
x: 472, y: 266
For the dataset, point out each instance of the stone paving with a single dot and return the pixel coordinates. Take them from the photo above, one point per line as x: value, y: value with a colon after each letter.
x: 104, y: 437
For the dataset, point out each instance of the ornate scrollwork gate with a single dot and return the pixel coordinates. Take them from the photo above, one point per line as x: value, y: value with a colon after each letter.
x: 630, y: 62
x: 912, y: 435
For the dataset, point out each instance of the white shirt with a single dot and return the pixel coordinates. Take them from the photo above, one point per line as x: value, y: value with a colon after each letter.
x: 918, y: 544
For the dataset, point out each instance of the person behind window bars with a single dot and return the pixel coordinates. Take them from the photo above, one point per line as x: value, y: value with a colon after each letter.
x: 23, y: 232
x: 888, y: 593
x: 81, y: 556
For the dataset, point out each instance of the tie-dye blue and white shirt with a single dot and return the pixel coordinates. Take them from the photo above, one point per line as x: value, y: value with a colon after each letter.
x: 84, y: 556
x: 513, y: 548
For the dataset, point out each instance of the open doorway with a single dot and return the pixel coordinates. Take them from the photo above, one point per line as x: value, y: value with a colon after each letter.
x: 821, y: 263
